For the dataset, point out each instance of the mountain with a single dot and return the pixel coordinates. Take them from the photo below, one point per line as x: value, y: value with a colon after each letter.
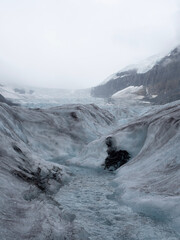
x: 161, y: 79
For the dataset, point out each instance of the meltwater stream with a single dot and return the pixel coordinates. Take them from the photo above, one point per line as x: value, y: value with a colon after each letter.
x: 90, y: 197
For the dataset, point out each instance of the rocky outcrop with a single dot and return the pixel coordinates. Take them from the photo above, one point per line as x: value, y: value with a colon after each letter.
x: 23, y: 91
x: 162, y: 80
x: 116, y: 158
x: 20, y: 91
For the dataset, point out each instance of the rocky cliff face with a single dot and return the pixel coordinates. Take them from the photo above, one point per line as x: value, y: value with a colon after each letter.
x: 163, y: 80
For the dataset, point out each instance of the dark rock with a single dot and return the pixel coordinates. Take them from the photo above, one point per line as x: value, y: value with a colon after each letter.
x: 31, y: 91
x: 17, y: 149
x: 116, y: 158
x: 39, y: 178
x: 111, y: 143
x: 18, y: 90
x: 74, y: 116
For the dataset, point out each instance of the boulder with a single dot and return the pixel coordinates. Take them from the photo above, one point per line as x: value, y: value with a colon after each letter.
x: 116, y: 158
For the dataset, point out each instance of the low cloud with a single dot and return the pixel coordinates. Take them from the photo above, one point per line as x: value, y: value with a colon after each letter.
x: 77, y: 44
x: 178, y: 26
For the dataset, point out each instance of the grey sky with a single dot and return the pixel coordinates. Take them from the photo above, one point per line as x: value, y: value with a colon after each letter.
x: 78, y: 43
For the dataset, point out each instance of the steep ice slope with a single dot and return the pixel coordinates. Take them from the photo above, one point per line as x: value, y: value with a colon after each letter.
x: 149, y: 183
x: 28, y: 209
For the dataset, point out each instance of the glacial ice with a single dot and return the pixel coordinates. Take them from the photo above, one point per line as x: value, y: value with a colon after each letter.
x: 28, y: 182
x: 149, y: 183
x: 70, y: 196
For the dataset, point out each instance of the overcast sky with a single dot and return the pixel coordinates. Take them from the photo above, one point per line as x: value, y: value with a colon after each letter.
x: 79, y: 43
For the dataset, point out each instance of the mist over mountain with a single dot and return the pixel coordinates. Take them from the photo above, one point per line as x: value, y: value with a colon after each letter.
x: 161, y: 80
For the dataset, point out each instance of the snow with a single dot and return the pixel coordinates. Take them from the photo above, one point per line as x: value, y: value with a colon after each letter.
x: 131, y: 92
x: 112, y: 76
x: 145, y: 65
x: 142, y: 66
x: 53, y: 185
x: 125, y: 75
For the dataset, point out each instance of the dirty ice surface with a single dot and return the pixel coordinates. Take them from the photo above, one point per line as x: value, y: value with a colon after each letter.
x: 70, y: 196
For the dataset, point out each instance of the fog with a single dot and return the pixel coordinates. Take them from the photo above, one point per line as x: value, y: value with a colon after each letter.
x: 77, y: 44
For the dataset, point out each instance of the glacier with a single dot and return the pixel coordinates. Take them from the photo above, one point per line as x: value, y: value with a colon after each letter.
x: 53, y: 185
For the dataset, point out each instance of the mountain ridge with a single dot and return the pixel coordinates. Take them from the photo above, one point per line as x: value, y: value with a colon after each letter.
x: 163, y: 80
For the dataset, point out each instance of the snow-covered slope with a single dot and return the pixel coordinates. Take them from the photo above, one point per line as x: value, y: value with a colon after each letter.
x: 28, y: 183
x: 141, y: 67
x: 145, y: 65
x: 161, y: 78
x: 130, y: 93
